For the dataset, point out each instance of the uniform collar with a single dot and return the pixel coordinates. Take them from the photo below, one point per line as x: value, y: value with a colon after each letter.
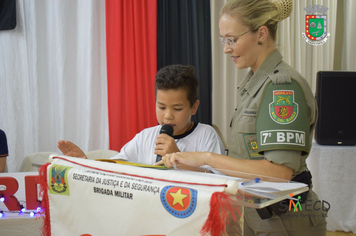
x: 253, y: 81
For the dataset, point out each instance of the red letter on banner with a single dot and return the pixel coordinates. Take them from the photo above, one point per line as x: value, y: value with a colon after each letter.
x: 12, y: 186
x: 31, y: 182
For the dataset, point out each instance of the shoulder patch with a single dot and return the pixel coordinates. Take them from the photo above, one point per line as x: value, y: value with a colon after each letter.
x: 283, y: 120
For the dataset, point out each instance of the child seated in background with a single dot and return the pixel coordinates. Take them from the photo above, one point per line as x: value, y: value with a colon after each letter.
x: 176, y: 90
x: 3, y: 151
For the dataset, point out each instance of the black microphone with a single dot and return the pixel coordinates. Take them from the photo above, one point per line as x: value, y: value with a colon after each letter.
x: 166, y: 129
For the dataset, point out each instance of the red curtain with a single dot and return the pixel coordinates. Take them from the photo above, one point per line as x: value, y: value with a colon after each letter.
x: 131, y: 41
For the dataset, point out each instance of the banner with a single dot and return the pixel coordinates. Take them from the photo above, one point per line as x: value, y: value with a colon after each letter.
x: 87, y: 197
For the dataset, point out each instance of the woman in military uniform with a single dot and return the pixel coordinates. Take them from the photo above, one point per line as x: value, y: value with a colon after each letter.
x: 272, y: 127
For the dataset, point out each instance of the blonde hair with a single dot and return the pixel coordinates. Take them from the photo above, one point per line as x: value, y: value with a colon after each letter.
x: 256, y: 13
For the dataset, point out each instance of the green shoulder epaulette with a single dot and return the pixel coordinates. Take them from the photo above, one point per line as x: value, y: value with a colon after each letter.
x: 280, y: 78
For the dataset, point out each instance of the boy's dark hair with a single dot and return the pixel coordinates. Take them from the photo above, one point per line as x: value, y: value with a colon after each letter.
x: 176, y: 77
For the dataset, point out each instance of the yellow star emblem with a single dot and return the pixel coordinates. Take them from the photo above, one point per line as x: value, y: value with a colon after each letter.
x: 178, y: 197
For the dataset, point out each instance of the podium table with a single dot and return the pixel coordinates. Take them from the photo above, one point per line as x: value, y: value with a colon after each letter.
x: 20, y: 226
x: 117, y: 198
x: 334, y: 176
x: 121, y: 199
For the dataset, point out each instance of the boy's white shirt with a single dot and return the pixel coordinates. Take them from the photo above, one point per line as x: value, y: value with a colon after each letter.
x: 141, y: 148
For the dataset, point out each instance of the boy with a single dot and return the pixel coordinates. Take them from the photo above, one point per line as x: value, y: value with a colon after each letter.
x: 3, y: 151
x: 176, y: 90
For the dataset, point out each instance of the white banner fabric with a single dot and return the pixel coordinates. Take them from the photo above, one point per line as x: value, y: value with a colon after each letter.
x: 97, y: 198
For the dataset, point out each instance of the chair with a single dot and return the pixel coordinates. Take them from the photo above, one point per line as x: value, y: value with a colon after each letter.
x: 101, y: 154
x: 33, y: 161
x: 226, y: 146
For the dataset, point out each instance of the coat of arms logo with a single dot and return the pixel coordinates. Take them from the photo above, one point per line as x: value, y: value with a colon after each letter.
x: 316, y: 25
x: 283, y: 109
x: 58, y: 183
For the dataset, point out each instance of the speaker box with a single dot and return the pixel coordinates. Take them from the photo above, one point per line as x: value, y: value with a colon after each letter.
x: 336, y: 98
x: 7, y: 14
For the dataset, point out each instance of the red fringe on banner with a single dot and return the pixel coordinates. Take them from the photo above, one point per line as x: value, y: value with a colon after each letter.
x: 220, y: 209
x: 46, y: 228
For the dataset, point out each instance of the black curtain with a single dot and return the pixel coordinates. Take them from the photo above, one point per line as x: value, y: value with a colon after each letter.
x: 184, y: 37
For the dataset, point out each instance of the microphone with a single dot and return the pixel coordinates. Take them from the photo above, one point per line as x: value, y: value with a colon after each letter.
x: 166, y: 129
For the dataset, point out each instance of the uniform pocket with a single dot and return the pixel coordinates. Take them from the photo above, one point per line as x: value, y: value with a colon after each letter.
x: 247, y: 122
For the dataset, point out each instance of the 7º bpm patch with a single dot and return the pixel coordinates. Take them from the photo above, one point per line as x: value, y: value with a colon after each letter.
x: 290, y: 137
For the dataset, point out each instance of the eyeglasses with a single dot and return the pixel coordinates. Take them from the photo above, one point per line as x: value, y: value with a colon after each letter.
x: 230, y: 41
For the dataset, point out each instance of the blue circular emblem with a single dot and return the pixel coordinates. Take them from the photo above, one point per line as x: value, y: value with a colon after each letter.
x: 178, y: 201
